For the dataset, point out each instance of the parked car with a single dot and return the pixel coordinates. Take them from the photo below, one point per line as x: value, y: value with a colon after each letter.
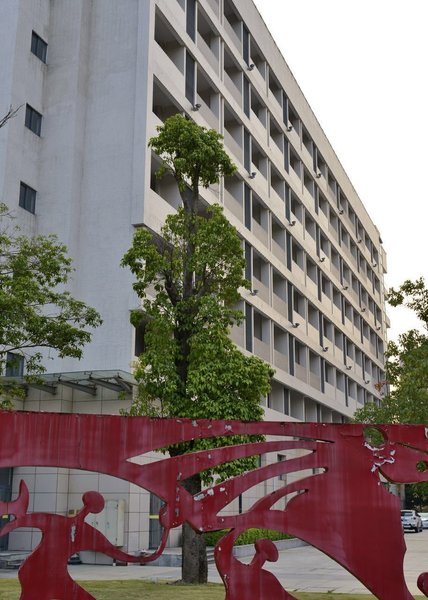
x: 410, y: 519
x: 424, y: 517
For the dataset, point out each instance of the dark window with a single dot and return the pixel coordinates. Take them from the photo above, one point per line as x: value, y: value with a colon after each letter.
x: 27, y: 198
x: 14, y: 365
x: 282, y: 458
x: 247, y: 206
x: 247, y: 150
x: 248, y: 327
x: 33, y: 120
x: 285, y: 115
x: 248, y: 262
x: 246, y: 97
x: 246, y: 44
x: 291, y: 353
x: 286, y: 155
x: 191, y: 18
x: 190, y: 78
x: 140, y: 332
x: 39, y: 47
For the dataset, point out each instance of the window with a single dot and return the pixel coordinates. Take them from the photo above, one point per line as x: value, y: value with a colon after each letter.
x: 139, y: 342
x: 191, y: 19
x: 14, y: 365
x: 33, y: 119
x: 190, y: 78
x: 248, y: 327
x: 39, y: 47
x: 27, y: 198
x: 282, y: 458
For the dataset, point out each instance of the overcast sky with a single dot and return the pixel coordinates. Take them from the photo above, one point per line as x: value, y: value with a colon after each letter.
x: 362, y: 65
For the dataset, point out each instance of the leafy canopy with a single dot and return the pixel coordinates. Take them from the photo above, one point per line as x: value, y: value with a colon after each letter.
x: 193, y: 154
x: 406, y: 365
x: 188, y: 280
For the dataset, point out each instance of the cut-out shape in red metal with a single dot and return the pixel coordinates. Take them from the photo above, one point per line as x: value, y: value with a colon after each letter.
x: 44, y: 573
x: 358, y: 520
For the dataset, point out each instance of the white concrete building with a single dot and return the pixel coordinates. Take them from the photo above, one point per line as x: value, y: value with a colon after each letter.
x: 94, y: 80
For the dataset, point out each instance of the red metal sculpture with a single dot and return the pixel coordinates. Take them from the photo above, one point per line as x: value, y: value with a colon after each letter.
x: 61, y: 538
x: 358, y: 520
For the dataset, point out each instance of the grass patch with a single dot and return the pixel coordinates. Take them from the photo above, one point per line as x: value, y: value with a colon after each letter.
x: 136, y: 590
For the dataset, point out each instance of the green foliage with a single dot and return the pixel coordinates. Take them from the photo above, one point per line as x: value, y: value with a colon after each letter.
x: 406, y: 366
x: 417, y: 495
x: 193, y: 154
x: 36, y: 311
x: 247, y: 537
x: 188, y: 280
x: 407, y: 375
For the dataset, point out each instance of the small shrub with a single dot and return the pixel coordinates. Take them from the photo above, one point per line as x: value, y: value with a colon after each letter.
x: 247, y: 537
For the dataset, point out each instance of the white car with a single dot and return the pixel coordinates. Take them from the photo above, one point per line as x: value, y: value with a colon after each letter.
x: 410, y: 519
x: 424, y: 517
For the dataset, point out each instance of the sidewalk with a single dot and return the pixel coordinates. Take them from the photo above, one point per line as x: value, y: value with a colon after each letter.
x: 299, y: 569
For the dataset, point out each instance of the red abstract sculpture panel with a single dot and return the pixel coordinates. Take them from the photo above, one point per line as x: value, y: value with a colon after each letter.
x: 358, y: 520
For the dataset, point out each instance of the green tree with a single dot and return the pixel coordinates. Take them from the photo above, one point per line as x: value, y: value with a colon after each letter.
x: 406, y: 385
x: 36, y: 311
x: 188, y: 280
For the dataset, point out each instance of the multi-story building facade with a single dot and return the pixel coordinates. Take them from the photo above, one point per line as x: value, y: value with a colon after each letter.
x: 94, y: 80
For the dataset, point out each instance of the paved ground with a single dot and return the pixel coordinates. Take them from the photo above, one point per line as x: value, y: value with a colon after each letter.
x: 298, y: 569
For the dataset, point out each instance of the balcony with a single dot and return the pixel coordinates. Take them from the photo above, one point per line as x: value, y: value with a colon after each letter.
x: 314, y: 381
x: 280, y: 360
x: 300, y: 372
x: 233, y: 87
x: 237, y: 335
x: 233, y: 204
x: 278, y: 250
x: 233, y: 146
x: 262, y: 290
x: 260, y: 233
x: 280, y: 305
x: 214, y: 5
x: 210, y: 52
x: 233, y: 30
x: 169, y: 45
x: 262, y: 349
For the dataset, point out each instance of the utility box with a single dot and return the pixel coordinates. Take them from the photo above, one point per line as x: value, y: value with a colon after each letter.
x: 110, y: 521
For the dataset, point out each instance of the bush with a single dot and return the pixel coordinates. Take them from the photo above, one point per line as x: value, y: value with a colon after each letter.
x: 247, y: 537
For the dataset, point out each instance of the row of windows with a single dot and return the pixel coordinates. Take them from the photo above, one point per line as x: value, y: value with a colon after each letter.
x: 269, y: 229
x: 291, y: 119
x: 33, y: 121
x: 355, y: 308
x: 292, y: 403
x: 332, y: 341
x: 242, y: 144
x: 273, y: 288
x: 257, y: 217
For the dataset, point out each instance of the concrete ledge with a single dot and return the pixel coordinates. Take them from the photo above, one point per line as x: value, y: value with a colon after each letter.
x: 172, y: 557
x: 248, y: 549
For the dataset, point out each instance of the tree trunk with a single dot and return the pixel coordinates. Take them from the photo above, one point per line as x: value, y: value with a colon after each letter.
x: 194, y: 568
